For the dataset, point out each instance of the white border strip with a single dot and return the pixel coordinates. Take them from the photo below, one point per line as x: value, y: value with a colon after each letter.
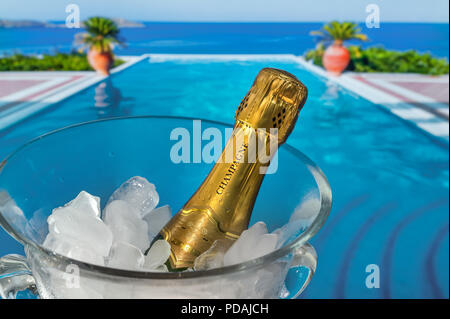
x: 413, y: 96
x: 25, y: 109
x: 17, y: 96
x: 157, y: 58
x: 130, y: 60
x: 404, y: 77
x: 43, y: 74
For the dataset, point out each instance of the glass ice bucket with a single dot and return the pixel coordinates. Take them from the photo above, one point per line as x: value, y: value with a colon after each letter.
x: 97, y: 157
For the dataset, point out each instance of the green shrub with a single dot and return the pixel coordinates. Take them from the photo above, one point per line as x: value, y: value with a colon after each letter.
x: 58, y: 62
x: 316, y: 54
x: 377, y: 59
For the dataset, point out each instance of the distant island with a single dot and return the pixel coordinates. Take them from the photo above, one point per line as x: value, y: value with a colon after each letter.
x: 21, y: 24
x: 121, y: 23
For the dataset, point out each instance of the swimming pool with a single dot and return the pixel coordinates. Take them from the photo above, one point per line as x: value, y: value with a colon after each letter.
x: 389, y: 180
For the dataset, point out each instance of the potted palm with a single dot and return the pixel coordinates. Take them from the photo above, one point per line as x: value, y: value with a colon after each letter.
x: 101, y: 37
x: 337, y: 57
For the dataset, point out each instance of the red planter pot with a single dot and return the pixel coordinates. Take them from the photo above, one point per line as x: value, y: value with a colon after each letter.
x: 336, y: 58
x: 100, y: 62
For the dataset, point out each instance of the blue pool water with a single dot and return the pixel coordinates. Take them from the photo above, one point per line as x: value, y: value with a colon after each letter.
x: 229, y: 38
x: 389, y: 180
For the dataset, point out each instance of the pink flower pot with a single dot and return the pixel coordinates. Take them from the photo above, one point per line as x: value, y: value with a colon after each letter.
x: 100, y: 62
x: 336, y: 58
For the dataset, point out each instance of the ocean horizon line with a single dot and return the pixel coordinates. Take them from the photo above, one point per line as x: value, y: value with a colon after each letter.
x: 275, y: 22
x: 239, y: 22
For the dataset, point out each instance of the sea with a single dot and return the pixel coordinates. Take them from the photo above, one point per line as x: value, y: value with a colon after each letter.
x: 228, y: 38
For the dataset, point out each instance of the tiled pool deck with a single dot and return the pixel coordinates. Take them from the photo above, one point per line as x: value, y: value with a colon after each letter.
x: 25, y: 93
x: 421, y: 100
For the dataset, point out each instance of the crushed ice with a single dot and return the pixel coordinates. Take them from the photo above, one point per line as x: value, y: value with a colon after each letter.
x: 116, y: 237
x: 119, y: 236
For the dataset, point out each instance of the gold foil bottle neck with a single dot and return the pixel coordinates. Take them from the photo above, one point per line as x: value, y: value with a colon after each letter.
x: 273, y: 101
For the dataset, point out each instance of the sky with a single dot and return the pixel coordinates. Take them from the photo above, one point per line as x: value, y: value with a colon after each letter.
x: 231, y: 10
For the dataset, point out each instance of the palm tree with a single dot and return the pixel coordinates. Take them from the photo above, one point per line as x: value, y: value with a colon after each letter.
x: 337, y: 32
x: 336, y: 57
x: 101, y: 37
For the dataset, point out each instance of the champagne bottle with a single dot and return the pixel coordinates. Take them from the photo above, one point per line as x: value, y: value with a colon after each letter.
x: 222, y: 205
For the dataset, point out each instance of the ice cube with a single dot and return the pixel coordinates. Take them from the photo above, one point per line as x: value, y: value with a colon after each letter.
x: 266, y: 244
x: 253, y: 243
x: 157, y: 219
x: 157, y: 254
x: 86, y: 255
x: 52, y: 243
x: 86, y: 203
x: 138, y: 193
x: 68, y: 247
x: 213, y: 257
x: 247, y: 239
x: 270, y: 280
x: 125, y: 224
x: 81, y: 228
x: 253, y: 232
x: 125, y: 256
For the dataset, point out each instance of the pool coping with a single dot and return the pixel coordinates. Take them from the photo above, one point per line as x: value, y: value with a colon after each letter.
x: 433, y: 121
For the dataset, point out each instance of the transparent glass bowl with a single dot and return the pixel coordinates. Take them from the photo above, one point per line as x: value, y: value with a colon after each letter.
x: 97, y: 157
